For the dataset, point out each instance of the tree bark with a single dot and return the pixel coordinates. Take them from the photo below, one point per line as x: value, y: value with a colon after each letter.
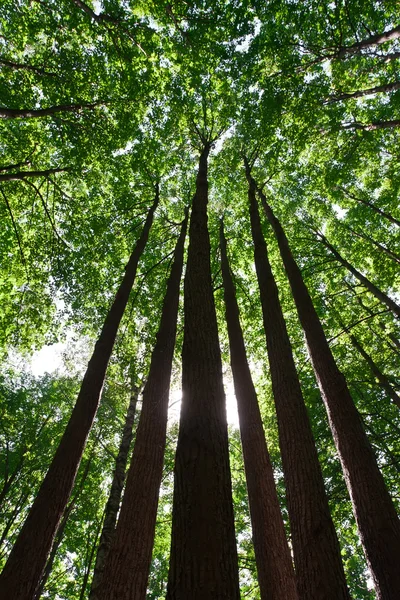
x: 273, y: 559
x: 371, y: 287
x: 114, y: 498
x: 373, y: 126
x: 373, y: 40
x: 60, y: 533
x: 128, y: 563
x: 377, y: 521
x: 319, y: 569
x: 23, y: 570
x: 203, y: 563
x: 372, y: 206
x: 18, y: 66
x: 381, y: 377
x: 24, y: 174
x: 387, y: 87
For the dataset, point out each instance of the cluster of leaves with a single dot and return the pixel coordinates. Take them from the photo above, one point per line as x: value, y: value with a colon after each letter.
x: 100, y: 101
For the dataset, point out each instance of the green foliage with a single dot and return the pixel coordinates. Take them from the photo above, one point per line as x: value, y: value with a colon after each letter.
x: 130, y: 89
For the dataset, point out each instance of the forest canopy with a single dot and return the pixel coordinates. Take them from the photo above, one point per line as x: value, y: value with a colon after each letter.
x: 192, y: 195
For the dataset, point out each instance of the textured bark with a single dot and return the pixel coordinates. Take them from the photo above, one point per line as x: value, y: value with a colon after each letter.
x: 378, y: 89
x: 21, y: 575
x: 203, y: 564
x: 26, y: 113
x: 375, y: 514
x: 24, y: 174
x: 128, y: 564
x: 114, y: 498
x: 373, y: 126
x: 381, y: 377
x: 371, y: 287
x: 372, y: 40
x: 273, y: 559
x: 371, y: 206
x: 60, y: 533
x: 319, y: 570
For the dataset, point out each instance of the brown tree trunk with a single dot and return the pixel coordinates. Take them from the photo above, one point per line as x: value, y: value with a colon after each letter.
x: 60, y: 533
x: 371, y: 287
x: 23, y: 570
x: 373, y: 40
x: 381, y: 377
x: 273, y: 559
x: 375, y: 514
x: 319, y: 569
x: 24, y: 174
x: 372, y: 206
x: 387, y: 87
x: 128, y: 563
x: 114, y: 498
x: 203, y: 563
x: 373, y: 126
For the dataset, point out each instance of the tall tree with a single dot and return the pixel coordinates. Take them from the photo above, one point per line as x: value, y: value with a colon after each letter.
x: 203, y: 564
x: 116, y: 489
x: 274, y: 562
x: 127, y: 567
x: 28, y: 555
x: 316, y: 550
x: 376, y: 517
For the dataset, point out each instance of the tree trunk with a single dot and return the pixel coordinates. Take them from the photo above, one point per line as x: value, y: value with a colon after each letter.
x: 373, y: 126
x: 24, y: 174
x: 316, y: 550
x: 381, y: 377
x: 21, y: 575
x: 128, y: 564
x: 375, y: 514
x: 371, y: 287
x: 114, y: 498
x: 372, y: 206
x: 387, y: 87
x: 373, y: 40
x: 273, y: 559
x: 60, y: 533
x: 203, y: 563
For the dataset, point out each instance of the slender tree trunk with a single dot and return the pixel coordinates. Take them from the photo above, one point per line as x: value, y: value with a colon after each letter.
x: 24, y: 174
x: 18, y: 66
x: 60, y: 533
x: 372, y: 206
x: 21, y: 575
x: 128, y: 563
x: 203, y: 563
x: 373, y: 40
x: 381, y: 247
x: 373, y: 126
x: 375, y: 514
x: 381, y: 377
x: 273, y: 559
x: 90, y: 558
x: 114, y: 498
x: 388, y: 87
x: 371, y: 287
x: 316, y: 550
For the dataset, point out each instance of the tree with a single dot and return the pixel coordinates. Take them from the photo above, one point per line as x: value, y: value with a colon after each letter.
x: 102, y: 100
